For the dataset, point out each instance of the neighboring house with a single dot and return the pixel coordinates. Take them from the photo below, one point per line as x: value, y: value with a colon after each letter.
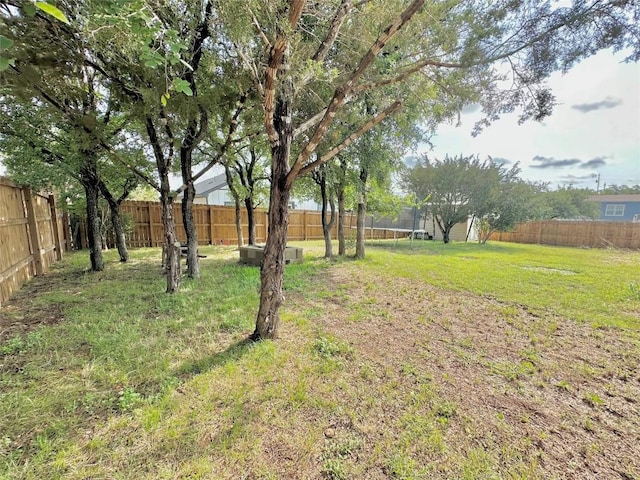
x: 618, y: 208
x: 409, y: 220
x: 215, y: 191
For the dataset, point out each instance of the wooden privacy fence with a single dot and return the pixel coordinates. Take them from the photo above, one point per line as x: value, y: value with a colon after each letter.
x: 32, y: 236
x: 596, y: 234
x: 215, y: 225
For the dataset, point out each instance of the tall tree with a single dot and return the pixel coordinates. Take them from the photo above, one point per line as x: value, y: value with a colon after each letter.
x: 457, y: 188
x: 568, y: 203
x: 246, y: 175
x: 327, y: 199
x: 74, y: 105
x: 446, y: 49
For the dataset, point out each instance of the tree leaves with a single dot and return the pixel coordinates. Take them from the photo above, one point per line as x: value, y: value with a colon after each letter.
x: 5, y: 43
x: 55, y: 12
x: 182, y: 86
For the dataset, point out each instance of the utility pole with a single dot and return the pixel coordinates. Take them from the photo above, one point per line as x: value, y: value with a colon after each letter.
x: 597, y: 177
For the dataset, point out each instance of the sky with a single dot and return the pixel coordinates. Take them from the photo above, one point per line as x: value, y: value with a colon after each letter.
x: 594, y: 129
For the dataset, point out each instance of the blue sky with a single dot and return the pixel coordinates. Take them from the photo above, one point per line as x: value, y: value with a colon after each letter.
x: 594, y: 129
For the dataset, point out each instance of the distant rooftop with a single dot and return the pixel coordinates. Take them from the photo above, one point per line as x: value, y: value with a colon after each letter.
x: 211, y: 185
x: 615, y: 198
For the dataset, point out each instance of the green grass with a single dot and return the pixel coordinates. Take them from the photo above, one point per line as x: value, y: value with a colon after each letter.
x: 122, y: 345
x: 591, y: 285
x: 134, y: 383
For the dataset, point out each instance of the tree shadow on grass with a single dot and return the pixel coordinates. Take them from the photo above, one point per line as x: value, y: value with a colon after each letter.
x: 232, y: 353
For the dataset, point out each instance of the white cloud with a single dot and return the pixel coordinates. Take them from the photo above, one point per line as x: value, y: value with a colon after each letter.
x: 605, y: 140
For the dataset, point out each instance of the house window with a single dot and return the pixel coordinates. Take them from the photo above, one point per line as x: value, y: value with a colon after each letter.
x: 613, y: 210
x: 636, y: 218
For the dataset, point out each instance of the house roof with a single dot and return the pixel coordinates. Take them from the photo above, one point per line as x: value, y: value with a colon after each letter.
x: 615, y: 198
x: 209, y: 185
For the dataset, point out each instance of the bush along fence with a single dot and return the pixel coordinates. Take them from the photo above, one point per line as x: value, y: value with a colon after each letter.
x: 593, y: 234
x: 33, y: 235
x: 215, y: 225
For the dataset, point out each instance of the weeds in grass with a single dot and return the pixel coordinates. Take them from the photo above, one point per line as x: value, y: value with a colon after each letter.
x: 634, y: 291
x: 333, y: 469
x: 21, y: 343
x: 593, y: 399
x: 328, y: 346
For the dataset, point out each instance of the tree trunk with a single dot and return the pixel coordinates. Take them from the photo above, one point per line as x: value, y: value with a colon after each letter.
x: 251, y: 220
x: 116, y: 219
x: 342, y: 244
x: 326, y: 226
x: 236, y: 202
x: 360, y: 228
x: 171, y: 245
x: 118, y: 232
x: 239, y: 233
x: 444, y: 229
x: 94, y: 235
x: 193, y: 263
x: 272, y: 271
x: 362, y: 212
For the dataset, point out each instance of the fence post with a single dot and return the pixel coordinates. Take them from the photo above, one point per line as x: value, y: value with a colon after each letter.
x: 150, y: 224
x: 33, y: 230
x: 54, y: 226
x: 266, y: 225
x: 304, y: 225
x: 66, y: 229
x: 539, y: 236
x: 211, y: 227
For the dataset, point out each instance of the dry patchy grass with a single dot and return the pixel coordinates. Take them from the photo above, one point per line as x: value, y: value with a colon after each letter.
x: 382, y: 377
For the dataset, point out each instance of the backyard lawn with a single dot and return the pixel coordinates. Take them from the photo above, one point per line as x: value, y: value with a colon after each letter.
x: 431, y: 361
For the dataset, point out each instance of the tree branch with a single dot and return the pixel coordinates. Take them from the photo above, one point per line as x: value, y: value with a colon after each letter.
x: 233, y: 125
x: 276, y: 59
x: 346, y: 88
x: 390, y: 110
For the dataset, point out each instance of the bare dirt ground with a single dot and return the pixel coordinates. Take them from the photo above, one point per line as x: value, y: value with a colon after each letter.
x: 18, y: 316
x: 546, y: 396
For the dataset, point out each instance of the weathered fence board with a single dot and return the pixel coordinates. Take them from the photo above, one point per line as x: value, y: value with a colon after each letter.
x: 31, y: 236
x: 216, y: 225
x: 594, y: 234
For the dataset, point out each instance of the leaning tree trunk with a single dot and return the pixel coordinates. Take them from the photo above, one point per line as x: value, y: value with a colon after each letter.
x: 118, y: 231
x: 116, y: 221
x: 342, y: 244
x: 239, y: 233
x: 94, y: 235
x: 445, y: 228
